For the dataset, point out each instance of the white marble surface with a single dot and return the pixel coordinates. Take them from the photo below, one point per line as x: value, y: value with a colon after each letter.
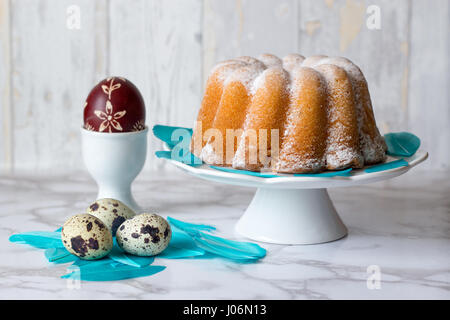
x: 401, y: 225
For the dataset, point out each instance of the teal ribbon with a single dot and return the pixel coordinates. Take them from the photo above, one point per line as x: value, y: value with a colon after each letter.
x: 387, y: 166
x: 187, y: 158
x: 250, y: 173
x: 401, y: 144
x: 340, y: 173
x: 235, y: 250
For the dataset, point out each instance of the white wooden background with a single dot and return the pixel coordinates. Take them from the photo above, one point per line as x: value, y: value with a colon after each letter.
x: 166, y: 47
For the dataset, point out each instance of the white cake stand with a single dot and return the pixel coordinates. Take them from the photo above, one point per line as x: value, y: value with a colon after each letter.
x: 295, y: 210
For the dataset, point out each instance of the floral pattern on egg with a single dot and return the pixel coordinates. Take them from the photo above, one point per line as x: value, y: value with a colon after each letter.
x: 114, y: 105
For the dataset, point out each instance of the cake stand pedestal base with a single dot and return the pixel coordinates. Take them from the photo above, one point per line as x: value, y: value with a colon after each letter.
x: 291, y: 216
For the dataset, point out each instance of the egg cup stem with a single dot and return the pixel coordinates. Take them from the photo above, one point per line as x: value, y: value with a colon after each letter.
x: 120, y: 193
x: 114, y: 160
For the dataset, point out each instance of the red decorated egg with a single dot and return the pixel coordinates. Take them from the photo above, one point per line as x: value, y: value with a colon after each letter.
x: 114, y: 105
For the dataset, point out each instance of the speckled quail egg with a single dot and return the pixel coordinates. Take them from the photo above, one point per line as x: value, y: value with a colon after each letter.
x: 112, y: 212
x: 87, y: 237
x: 146, y: 234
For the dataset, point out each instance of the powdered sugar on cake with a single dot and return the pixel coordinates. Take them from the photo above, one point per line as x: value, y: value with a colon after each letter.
x: 245, y: 75
x: 339, y: 152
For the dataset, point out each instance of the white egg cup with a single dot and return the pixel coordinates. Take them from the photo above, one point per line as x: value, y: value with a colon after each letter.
x: 114, y: 160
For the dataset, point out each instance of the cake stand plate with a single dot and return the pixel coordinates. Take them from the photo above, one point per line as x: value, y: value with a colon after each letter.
x: 295, y: 210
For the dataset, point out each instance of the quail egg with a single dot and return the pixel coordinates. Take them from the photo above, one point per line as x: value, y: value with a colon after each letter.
x: 146, y: 234
x: 112, y: 212
x: 87, y: 237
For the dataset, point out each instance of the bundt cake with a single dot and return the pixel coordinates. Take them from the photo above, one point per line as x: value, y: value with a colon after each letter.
x: 290, y: 115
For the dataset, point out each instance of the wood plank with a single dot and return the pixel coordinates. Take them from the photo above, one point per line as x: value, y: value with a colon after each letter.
x: 236, y: 28
x: 158, y: 46
x: 167, y: 48
x: 338, y: 28
x: 54, y: 68
x: 429, y: 80
x: 5, y: 89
